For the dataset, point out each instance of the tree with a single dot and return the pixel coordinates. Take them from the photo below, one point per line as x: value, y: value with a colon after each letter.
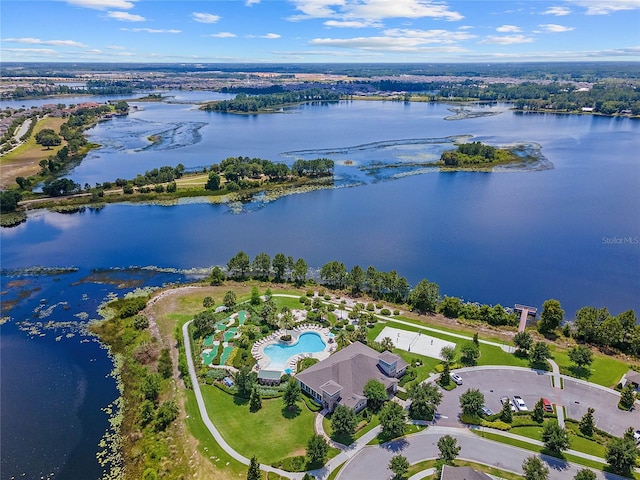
x: 450, y: 307
x: 539, y: 353
x: 208, y: 302
x: 244, y: 380
x: 165, y: 366
x: 424, y: 297
x: 300, y: 271
x: 448, y: 354
x: 471, y: 402
x: 150, y: 387
x: 449, y: 449
x: 239, y: 264
x: 555, y: 437
x: 523, y: 341
x: 585, y: 474
x: 254, y: 470
x: 166, y: 414
x: 399, y: 465
x: 217, y: 276
x: 229, y: 299
x: 279, y: 266
x: 445, y: 376
x: 317, y: 449
x: 343, y: 420
x: 291, y: 394
x: 587, y: 425
x: 425, y: 398
x: 581, y: 355
x: 9, y: 201
x: 387, y: 344
x: 255, y: 296
x: 469, y: 353
x: 262, y: 265
x: 392, y: 420
x: 356, y: 278
x: 551, y: 316
x: 534, y: 469
x: 506, y: 415
x: 621, y: 453
x: 213, y: 182
x: 627, y: 396
x: 376, y: 394
x: 537, y: 415
x: 255, y: 400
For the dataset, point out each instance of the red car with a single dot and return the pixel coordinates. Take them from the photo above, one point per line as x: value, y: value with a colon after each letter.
x: 546, y: 404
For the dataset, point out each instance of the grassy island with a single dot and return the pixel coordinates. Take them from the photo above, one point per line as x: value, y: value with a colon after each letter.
x: 271, y: 102
x: 476, y: 156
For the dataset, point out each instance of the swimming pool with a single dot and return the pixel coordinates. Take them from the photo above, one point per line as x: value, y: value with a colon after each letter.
x: 279, y: 354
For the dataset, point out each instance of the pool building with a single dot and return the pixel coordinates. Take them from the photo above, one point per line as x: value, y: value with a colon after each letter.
x: 340, y: 378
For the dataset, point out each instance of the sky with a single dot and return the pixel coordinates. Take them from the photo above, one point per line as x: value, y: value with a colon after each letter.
x: 318, y: 31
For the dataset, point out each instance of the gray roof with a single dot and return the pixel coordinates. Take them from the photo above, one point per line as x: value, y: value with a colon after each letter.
x: 633, y: 376
x: 351, y: 368
x: 389, y: 358
x: 462, y: 473
x: 331, y: 387
x: 269, y: 374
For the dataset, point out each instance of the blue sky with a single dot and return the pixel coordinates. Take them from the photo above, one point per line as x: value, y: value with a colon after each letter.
x: 290, y: 31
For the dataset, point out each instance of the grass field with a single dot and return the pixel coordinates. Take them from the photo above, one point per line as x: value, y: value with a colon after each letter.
x: 23, y: 161
x: 605, y: 371
x: 274, y: 433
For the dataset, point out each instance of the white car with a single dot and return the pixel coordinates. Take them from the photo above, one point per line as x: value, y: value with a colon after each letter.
x: 520, y: 405
x: 456, y: 378
x: 504, y: 400
x: 636, y: 435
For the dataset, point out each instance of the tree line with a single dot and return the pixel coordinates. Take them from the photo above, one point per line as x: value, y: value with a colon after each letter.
x: 244, y: 103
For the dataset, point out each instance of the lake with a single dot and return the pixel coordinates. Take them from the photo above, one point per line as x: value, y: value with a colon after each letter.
x: 569, y: 232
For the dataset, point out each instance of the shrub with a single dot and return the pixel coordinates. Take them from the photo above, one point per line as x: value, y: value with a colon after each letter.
x: 385, y: 311
x: 371, y: 307
x: 140, y: 322
x: 396, y: 312
x: 309, y: 293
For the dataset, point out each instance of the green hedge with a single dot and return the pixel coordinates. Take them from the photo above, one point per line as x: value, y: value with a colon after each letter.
x: 311, y: 404
x: 402, y: 395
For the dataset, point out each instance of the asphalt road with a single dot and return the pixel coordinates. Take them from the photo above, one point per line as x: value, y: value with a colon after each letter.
x: 371, y: 462
x: 575, y: 396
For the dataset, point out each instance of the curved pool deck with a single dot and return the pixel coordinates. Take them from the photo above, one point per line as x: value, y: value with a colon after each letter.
x: 265, y: 362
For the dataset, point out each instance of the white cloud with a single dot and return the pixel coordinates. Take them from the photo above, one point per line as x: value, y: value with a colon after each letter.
x: 116, y: 47
x: 508, y: 29
x: 102, y: 4
x: 270, y: 36
x: 557, y: 11
x: 351, y: 23
x: 430, y: 36
x: 389, y: 44
x: 507, y: 39
x: 223, y: 35
x: 126, y: 17
x: 250, y: 3
x: 149, y: 30
x: 37, y: 41
x: 93, y: 51
x: 372, y: 10
x: 205, y: 17
x: 554, y: 28
x: 45, y: 51
x: 605, y: 7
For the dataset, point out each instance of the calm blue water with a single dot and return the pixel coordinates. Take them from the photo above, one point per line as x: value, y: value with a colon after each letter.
x: 510, y: 237
x: 279, y: 354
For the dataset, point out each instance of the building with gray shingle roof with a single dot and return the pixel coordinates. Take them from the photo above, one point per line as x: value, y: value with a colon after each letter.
x: 462, y: 473
x: 340, y: 379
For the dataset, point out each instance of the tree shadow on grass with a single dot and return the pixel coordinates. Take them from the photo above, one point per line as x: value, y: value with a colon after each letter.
x: 291, y: 413
x: 238, y: 400
x: 343, y: 438
x: 580, y: 372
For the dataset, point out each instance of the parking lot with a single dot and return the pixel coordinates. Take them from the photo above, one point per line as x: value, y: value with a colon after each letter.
x: 531, y: 386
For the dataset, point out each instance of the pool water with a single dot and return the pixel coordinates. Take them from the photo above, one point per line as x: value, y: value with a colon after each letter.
x: 279, y: 354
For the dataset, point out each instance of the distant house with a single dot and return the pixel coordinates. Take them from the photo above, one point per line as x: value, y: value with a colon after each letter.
x: 462, y: 473
x: 340, y: 379
x: 632, y: 377
x: 269, y: 377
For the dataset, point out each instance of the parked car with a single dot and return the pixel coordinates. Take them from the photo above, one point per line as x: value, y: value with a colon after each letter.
x: 546, y: 405
x: 636, y: 435
x: 456, y: 378
x: 487, y: 411
x: 520, y: 405
x: 504, y: 400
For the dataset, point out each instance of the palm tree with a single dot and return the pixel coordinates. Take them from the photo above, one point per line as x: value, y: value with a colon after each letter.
x: 342, y: 338
x: 287, y: 321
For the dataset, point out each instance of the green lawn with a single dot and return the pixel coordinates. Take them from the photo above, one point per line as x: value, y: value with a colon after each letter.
x: 271, y: 434
x: 605, y: 371
x: 206, y: 444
